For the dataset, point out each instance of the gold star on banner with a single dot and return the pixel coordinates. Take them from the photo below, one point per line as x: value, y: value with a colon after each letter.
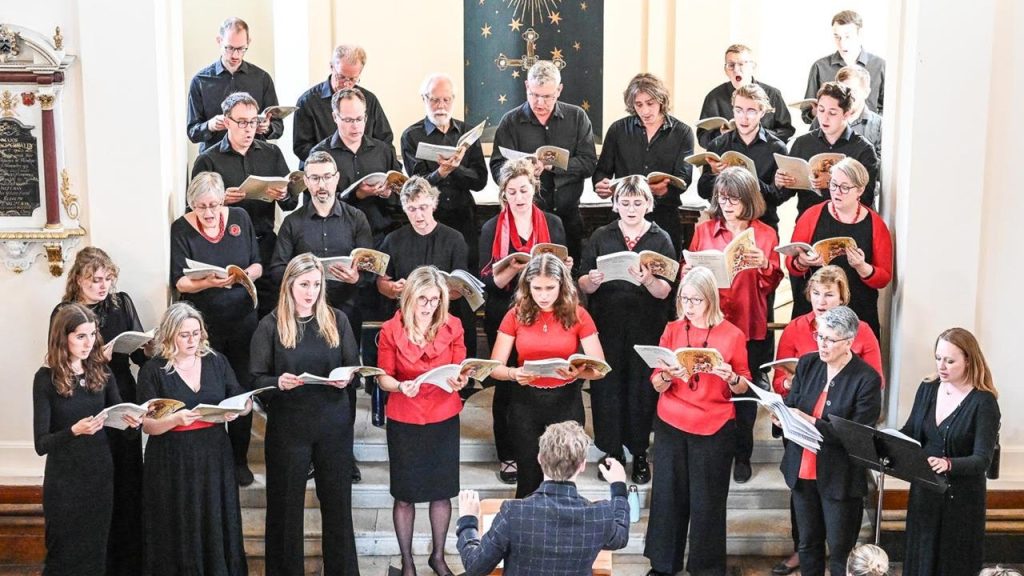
x: 515, y: 25
x: 583, y: 5
x: 576, y: 46
x: 555, y: 18
x: 502, y: 99
x: 515, y: 73
x: 585, y: 106
x: 485, y: 31
x: 556, y: 54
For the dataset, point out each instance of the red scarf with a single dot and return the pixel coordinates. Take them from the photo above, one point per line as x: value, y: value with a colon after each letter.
x: 505, y: 232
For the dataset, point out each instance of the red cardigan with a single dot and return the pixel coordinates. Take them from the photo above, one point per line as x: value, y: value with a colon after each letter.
x: 400, y: 358
x: 705, y: 410
x: 745, y: 303
x: 881, y: 246
x: 798, y: 339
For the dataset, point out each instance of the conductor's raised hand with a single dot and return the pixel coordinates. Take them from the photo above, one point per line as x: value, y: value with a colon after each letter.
x: 612, y: 470
x: 469, y: 503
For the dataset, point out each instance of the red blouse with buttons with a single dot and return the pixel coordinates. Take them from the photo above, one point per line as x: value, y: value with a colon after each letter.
x: 745, y: 303
x: 706, y: 409
x: 404, y: 360
x: 798, y: 339
x: 547, y: 338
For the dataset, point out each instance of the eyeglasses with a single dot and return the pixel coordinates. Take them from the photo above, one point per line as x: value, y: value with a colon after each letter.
x: 691, y: 301
x: 351, y: 121
x: 841, y: 188
x: 342, y: 79
x: 740, y: 64
x: 431, y: 302
x: 542, y: 97
x: 195, y: 334
x: 730, y: 200
x: 748, y: 112
x: 254, y: 122
x: 421, y: 208
x: 435, y: 101
x: 211, y: 207
x: 240, y: 50
x: 829, y: 342
x: 316, y: 179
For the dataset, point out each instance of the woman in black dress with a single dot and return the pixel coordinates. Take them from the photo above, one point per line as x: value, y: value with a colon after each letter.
x: 306, y: 424
x: 78, y: 486
x: 192, y: 519
x: 92, y: 282
x: 956, y: 419
x: 517, y: 228
x: 216, y: 234
x: 626, y: 314
x: 426, y: 242
x: 423, y: 419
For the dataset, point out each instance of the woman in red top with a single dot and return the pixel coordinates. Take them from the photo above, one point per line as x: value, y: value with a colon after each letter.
x: 546, y: 322
x: 869, y: 266
x: 695, y: 434
x: 736, y: 205
x: 423, y: 420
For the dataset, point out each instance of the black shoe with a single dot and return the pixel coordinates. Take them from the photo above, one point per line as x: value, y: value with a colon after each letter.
x: 783, y: 569
x: 741, y: 471
x: 508, y: 472
x: 641, y: 470
x: 357, y: 475
x: 244, y: 475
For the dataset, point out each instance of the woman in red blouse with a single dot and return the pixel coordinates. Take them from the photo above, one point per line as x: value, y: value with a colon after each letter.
x: 736, y: 205
x: 869, y: 266
x: 545, y: 322
x: 695, y: 434
x: 423, y: 420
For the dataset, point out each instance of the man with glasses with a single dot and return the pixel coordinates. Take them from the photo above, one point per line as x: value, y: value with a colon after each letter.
x: 239, y: 156
x: 327, y: 227
x: 357, y: 154
x: 456, y: 176
x: 739, y: 68
x: 543, y: 120
x: 229, y: 74
x: 314, y: 121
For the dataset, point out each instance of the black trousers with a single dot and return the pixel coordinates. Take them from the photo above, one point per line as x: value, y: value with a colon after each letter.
x: 531, y: 410
x: 266, y: 288
x: 667, y: 217
x: 573, y: 223
x: 822, y: 519
x: 624, y: 402
x: 232, y: 340
x: 463, y: 219
x: 689, y: 493
x: 758, y: 352
x: 294, y: 440
x: 495, y: 309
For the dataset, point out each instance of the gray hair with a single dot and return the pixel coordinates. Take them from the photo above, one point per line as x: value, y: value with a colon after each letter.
x: 418, y: 186
x: 434, y: 78
x: 350, y: 53
x: 544, y: 72
x: 205, y: 183
x: 236, y: 98
x: 853, y: 170
x: 841, y: 319
x: 233, y: 23
x: 321, y: 157
x: 867, y: 560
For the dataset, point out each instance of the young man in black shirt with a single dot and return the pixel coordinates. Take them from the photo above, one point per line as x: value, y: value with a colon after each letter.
x: 850, y: 51
x: 229, y: 74
x: 863, y: 121
x: 739, y: 69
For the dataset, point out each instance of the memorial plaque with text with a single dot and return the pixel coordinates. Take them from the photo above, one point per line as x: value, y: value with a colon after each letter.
x: 19, y: 169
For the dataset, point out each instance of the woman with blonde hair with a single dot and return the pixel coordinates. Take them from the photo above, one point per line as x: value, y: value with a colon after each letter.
x: 306, y: 423
x: 867, y: 560
x: 956, y: 419
x: 546, y: 321
x: 695, y: 434
x: 193, y: 522
x: 423, y: 419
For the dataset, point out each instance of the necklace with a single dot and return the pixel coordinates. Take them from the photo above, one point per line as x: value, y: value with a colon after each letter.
x: 835, y: 213
x: 695, y: 377
x: 181, y: 368
x: 220, y: 230
x: 544, y: 326
x: 630, y: 241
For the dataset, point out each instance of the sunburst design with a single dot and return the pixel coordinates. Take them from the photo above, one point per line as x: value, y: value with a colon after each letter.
x: 541, y: 8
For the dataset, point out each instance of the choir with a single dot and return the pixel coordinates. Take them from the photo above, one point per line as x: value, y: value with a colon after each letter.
x: 174, y: 508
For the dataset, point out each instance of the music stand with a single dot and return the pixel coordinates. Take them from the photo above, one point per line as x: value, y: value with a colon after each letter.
x: 886, y: 454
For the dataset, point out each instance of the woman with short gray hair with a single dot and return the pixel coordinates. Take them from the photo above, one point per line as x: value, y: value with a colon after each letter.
x: 828, y: 488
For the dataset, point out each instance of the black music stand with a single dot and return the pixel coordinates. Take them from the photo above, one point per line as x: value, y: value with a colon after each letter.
x: 886, y: 454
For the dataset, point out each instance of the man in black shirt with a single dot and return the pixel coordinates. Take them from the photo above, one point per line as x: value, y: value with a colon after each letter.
x: 236, y: 158
x: 327, y: 227
x: 850, y: 51
x: 357, y: 154
x: 648, y: 140
x: 229, y: 74
x: 456, y: 176
x: 863, y: 121
x: 314, y: 121
x: 543, y: 120
x: 750, y: 106
x: 739, y: 68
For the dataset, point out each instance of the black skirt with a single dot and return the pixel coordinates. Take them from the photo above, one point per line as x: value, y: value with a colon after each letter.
x: 424, y: 460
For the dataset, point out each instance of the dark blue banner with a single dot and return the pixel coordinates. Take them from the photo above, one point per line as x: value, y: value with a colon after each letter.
x: 502, y: 38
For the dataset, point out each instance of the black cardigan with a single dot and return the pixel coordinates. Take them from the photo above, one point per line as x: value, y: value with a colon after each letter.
x: 855, y: 394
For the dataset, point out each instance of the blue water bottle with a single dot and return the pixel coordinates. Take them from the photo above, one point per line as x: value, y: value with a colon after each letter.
x: 633, y: 496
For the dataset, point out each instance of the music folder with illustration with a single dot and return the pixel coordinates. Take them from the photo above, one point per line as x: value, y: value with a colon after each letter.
x: 434, y: 152
x: 794, y: 427
x: 652, y: 178
x: 730, y: 158
x: 471, y: 288
x: 695, y: 360
x: 152, y: 408
x: 806, y: 170
x: 340, y: 374
x: 258, y: 187
x: 129, y: 341
x: 198, y: 270
x: 233, y: 405
x: 365, y: 259
x: 549, y: 155
x: 560, y: 252
x: 549, y: 367
x: 615, y: 266
x: 476, y: 368
x: 392, y: 179
x: 725, y: 264
x: 829, y: 248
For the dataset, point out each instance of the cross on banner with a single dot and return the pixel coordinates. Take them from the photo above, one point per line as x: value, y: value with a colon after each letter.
x: 530, y: 58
